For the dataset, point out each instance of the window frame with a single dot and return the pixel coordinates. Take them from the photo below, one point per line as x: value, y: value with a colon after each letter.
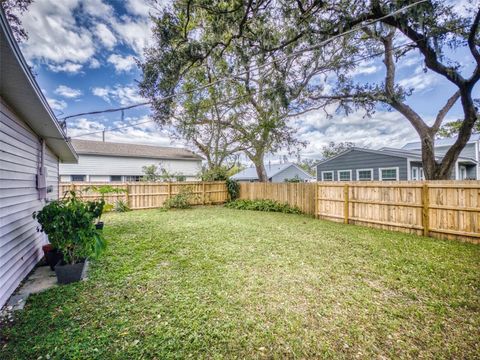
x: 328, y: 172
x: 83, y: 176
x: 396, y: 168
x: 120, y: 176
x: 371, y: 174
x: 126, y: 178
x: 346, y: 170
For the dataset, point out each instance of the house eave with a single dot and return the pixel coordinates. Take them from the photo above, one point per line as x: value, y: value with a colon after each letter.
x: 21, y: 92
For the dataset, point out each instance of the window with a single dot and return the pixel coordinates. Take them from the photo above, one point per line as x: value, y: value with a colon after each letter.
x: 417, y: 173
x: 344, y: 175
x: 133, y: 178
x: 388, y: 174
x: 463, y: 173
x: 365, y: 174
x: 78, y: 177
x: 115, y: 178
x: 327, y: 175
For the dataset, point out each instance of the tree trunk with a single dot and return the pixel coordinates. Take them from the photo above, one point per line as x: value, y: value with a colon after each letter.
x: 261, y: 171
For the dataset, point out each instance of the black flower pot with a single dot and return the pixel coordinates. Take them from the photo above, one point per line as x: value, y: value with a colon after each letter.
x: 99, y: 225
x: 53, y: 257
x: 68, y: 273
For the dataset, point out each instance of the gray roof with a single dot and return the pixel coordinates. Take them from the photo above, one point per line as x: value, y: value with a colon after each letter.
x: 403, y: 153
x: 21, y: 92
x: 439, y: 142
x: 90, y: 147
x: 271, y: 169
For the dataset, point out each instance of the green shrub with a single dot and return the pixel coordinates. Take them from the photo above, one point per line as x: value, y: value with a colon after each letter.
x: 121, y: 206
x: 233, y: 188
x: 182, y: 200
x: 263, y: 205
x: 69, y: 224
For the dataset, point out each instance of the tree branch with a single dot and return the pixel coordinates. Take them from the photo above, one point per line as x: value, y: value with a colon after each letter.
x: 443, y: 111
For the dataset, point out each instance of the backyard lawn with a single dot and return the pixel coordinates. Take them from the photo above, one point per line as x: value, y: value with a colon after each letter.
x: 212, y: 282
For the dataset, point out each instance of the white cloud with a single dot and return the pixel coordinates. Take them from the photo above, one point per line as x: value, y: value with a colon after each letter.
x: 134, y: 32
x: 139, y: 7
x: 146, y: 133
x: 419, y: 81
x: 122, y: 63
x: 382, y: 129
x: 94, y: 64
x: 68, y: 92
x: 54, y: 37
x: 55, y: 104
x: 124, y: 95
x: 106, y: 36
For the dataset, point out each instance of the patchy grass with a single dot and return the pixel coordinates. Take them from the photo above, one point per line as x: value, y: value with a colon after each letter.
x: 220, y: 283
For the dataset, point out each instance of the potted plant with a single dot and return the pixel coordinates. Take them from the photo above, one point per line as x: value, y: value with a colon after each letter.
x: 104, y: 190
x: 70, y: 226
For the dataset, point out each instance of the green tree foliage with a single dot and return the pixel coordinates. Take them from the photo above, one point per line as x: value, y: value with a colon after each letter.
x: 452, y: 128
x: 196, y: 43
x: 334, y: 148
x: 271, y: 47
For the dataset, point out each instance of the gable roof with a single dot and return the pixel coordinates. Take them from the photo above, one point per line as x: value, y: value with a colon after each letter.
x: 439, y: 142
x: 271, y: 169
x: 90, y: 147
x: 21, y: 92
x: 415, y: 155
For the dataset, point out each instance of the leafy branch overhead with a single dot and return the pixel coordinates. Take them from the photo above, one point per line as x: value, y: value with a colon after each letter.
x: 281, y: 59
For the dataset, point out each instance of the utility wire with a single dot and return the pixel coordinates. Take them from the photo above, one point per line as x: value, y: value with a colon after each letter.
x: 232, y: 77
x: 229, y: 100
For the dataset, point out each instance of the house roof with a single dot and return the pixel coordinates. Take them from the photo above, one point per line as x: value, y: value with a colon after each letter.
x: 90, y: 147
x: 439, y: 142
x: 21, y: 92
x: 271, y: 169
x: 402, y: 153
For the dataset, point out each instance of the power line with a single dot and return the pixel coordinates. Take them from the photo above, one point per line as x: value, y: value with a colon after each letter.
x: 232, y: 77
x: 229, y: 100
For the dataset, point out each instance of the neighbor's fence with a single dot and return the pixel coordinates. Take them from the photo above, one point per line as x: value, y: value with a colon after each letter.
x: 442, y: 209
x: 149, y: 195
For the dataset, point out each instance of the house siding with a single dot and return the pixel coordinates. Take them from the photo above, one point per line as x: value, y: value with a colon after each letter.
x: 356, y: 160
x: 20, y: 243
x: 289, y: 173
x: 101, y: 167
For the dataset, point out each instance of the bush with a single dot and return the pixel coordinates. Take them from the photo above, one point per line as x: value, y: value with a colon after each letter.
x: 69, y: 224
x: 233, y: 188
x: 263, y: 205
x: 181, y: 200
x: 215, y: 174
x: 121, y: 206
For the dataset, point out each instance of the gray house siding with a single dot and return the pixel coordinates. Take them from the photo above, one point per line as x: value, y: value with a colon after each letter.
x: 289, y: 173
x: 357, y: 160
x: 20, y: 243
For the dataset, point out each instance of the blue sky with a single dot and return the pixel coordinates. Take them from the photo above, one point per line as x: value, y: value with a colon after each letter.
x: 83, y: 54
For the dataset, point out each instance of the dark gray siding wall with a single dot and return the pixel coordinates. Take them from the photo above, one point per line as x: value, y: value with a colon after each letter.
x: 20, y: 243
x: 356, y: 159
x: 289, y: 173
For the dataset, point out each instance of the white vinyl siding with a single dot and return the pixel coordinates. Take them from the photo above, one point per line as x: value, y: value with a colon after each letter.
x: 344, y: 175
x: 388, y: 174
x: 20, y: 243
x: 102, y: 167
x: 327, y: 176
x: 365, y: 174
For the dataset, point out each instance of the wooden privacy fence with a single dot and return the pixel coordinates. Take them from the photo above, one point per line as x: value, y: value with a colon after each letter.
x: 442, y: 209
x: 149, y: 195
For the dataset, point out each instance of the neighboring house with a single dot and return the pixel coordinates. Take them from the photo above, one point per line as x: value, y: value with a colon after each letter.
x: 31, y: 145
x: 389, y: 164
x: 108, y: 161
x: 275, y: 173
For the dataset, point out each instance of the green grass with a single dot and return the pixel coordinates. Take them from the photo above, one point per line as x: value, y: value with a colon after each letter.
x: 221, y: 283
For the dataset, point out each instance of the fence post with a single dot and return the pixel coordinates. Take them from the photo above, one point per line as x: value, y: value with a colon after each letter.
x: 127, y: 194
x: 203, y: 192
x: 345, y: 204
x: 425, y: 210
x: 316, y: 201
x: 169, y: 190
